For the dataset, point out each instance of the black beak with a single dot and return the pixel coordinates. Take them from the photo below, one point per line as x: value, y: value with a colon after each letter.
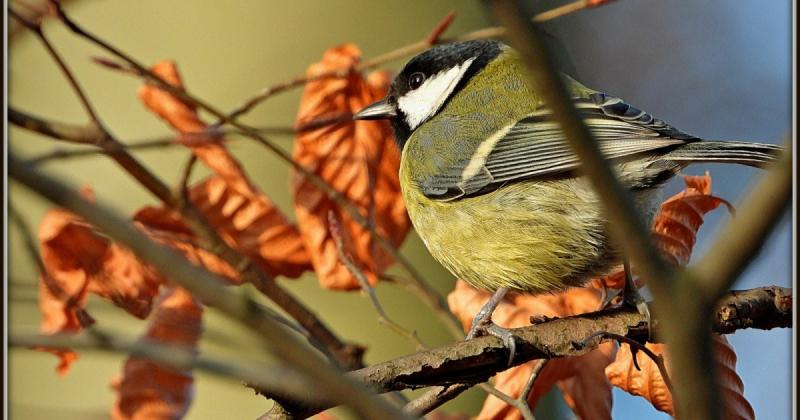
x: 380, y: 110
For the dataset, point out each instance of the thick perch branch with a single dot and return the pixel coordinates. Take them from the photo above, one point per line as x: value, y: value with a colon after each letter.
x: 477, y: 360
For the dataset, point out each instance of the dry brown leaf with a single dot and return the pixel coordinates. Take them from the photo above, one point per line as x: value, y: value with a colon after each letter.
x: 731, y: 387
x: 680, y: 217
x: 148, y: 390
x: 359, y: 159
x: 581, y: 379
x: 254, y: 225
x: 581, y: 391
x: 245, y: 218
x: 647, y: 382
x: 165, y: 227
x: 78, y: 261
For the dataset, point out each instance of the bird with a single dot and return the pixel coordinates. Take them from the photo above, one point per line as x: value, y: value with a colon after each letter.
x: 492, y: 187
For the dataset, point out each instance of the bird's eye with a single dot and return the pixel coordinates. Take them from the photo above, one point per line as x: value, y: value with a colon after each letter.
x: 416, y: 80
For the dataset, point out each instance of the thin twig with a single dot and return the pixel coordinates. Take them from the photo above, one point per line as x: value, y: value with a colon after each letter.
x: 73, y: 81
x: 27, y: 236
x: 79, y: 134
x: 363, y: 281
x: 278, y: 380
x: 208, y: 287
x: 434, y: 398
x: 433, y: 38
x: 626, y: 223
x: 673, y: 291
x: 521, y: 402
x: 182, y: 189
x: 526, y: 390
x: 523, y: 406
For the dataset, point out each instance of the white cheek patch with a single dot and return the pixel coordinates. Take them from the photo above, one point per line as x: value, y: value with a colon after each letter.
x: 420, y: 104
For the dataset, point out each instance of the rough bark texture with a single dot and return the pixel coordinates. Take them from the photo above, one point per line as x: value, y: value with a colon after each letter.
x: 477, y: 360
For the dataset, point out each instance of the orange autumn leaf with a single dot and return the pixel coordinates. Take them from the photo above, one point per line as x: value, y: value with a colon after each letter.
x: 649, y: 384
x: 254, y: 225
x: 680, y: 217
x: 731, y: 387
x: 165, y: 227
x: 148, y: 390
x: 581, y: 379
x: 245, y: 218
x: 78, y: 261
x: 359, y: 159
x: 675, y: 226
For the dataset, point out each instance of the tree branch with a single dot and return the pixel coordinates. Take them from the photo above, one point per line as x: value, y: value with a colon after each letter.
x: 466, y: 363
x: 347, y: 355
x: 427, y: 294
x: 210, y: 289
x: 280, y: 380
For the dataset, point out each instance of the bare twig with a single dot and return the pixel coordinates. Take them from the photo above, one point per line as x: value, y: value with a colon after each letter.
x: 383, y: 318
x: 526, y: 390
x: 210, y: 289
x: 434, y: 398
x: 27, y: 236
x: 433, y: 38
x: 182, y: 189
x: 522, y: 406
x: 684, y: 317
x: 66, y: 132
x: 73, y: 82
x: 566, y: 9
x: 279, y: 380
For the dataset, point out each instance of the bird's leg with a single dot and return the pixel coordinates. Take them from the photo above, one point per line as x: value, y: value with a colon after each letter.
x: 482, y: 324
x: 631, y: 294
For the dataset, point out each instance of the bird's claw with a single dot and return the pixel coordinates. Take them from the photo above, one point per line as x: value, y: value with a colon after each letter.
x: 487, y: 327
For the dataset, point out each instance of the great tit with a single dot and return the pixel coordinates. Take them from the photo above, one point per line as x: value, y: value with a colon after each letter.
x: 490, y: 182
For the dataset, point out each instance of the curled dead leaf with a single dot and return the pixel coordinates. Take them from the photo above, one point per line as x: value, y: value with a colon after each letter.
x: 246, y: 219
x: 78, y: 261
x: 252, y: 225
x: 165, y: 227
x: 680, y: 217
x: 649, y: 384
x: 359, y: 159
x: 148, y: 390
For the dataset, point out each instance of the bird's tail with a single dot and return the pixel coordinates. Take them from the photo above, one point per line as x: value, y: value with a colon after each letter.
x: 745, y: 153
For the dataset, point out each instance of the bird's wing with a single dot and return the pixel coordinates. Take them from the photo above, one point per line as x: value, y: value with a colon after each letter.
x: 535, y: 147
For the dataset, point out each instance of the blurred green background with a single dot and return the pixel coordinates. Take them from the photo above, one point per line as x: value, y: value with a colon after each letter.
x: 226, y: 52
x: 710, y: 68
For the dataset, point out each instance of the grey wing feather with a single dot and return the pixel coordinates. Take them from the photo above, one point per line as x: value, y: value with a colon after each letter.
x: 535, y: 147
